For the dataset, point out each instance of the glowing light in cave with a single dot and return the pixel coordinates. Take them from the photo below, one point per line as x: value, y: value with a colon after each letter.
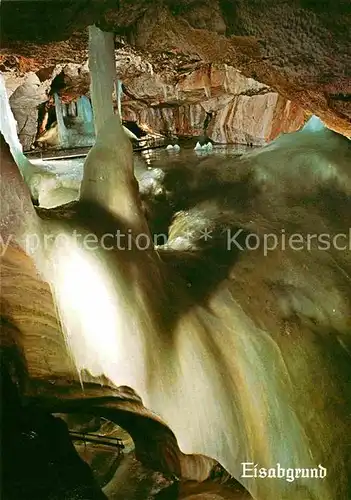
x: 83, y: 296
x: 94, y: 316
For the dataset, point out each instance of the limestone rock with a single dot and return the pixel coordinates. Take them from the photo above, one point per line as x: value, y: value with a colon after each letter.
x: 255, y: 119
x: 299, y: 49
x: 24, y: 104
x: 217, y: 100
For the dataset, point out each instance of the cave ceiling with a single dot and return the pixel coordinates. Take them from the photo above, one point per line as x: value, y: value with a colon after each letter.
x: 301, y: 48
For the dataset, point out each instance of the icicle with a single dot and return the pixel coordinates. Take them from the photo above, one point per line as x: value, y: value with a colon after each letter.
x: 72, y: 110
x: 103, y: 74
x: 87, y: 109
x: 119, y: 94
x: 62, y: 130
x: 85, y: 116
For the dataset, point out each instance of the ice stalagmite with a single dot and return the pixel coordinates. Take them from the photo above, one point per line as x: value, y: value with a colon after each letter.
x: 81, y: 279
x: 314, y: 124
x: 62, y: 130
x: 85, y: 114
x: 108, y: 170
x: 102, y: 65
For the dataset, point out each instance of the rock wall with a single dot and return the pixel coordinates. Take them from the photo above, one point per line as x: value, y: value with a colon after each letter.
x: 196, y: 99
x: 215, y: 99
x: 300, y: 49
x: 255, y: 119
x: 27, y: 90
x: 24, y: 102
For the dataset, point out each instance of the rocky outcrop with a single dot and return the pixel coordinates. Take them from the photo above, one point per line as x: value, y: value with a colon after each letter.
x: 255, y: 119
x: 299, y: 49
x: 24, y: 103
x: 212, y: 99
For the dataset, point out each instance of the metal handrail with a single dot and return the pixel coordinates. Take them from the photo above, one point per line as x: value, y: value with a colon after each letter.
x: 81, y: 152
x: 98, y: 439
